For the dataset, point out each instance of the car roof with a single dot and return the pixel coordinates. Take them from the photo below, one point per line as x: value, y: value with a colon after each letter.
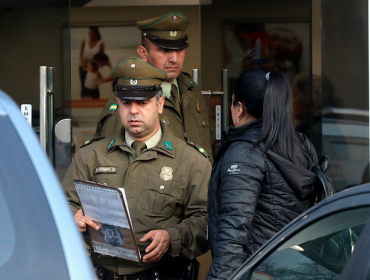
x: 75, y: 253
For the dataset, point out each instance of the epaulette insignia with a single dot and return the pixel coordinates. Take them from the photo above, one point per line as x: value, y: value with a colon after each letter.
x: 88, y: 142
x: 113, y: 107
x: 190, y: 82
x: 199, y: 148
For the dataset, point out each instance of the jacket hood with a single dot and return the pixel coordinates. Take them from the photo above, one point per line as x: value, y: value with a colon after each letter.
x: 300, y: 179
x: 297, y: 175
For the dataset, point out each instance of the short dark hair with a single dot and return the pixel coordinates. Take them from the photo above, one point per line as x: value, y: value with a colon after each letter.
x: 145, y: 42
x: 269, y: 98
x: 100, y: 56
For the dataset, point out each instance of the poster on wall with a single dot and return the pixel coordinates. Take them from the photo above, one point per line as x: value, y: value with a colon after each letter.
x: 282, y: 47
x: 95, y: 51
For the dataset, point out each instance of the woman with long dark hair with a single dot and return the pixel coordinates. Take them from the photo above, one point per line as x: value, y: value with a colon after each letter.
x: 90, y: 46
x: 260, y: 179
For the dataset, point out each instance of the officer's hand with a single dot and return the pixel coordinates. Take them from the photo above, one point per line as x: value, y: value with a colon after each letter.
x: 82, y: 221
x: 160, y: 243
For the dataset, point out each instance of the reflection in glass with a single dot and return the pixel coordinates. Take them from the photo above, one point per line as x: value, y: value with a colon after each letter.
x: 320, y: 251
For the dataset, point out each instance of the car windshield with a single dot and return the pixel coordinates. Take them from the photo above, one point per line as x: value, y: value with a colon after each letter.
x: 28, y: 236
x: 320, y: 251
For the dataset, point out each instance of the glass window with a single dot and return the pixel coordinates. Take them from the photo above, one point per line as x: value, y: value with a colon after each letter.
x: 320, y: 251
x: 29, y: 240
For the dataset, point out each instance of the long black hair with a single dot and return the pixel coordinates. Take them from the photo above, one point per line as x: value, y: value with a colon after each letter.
x: 269, y: 96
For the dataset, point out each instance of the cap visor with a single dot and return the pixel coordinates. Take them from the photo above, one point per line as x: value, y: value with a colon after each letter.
x: 171, y: 45
x: 139, y: 95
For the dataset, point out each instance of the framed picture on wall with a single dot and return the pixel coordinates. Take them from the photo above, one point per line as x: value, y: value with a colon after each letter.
x: 94, y: 51
x: 279, y: 46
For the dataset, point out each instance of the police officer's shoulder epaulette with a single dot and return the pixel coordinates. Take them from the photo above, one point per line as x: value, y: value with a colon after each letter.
x: 198, y: 148
x: 113, y: 107
x: 88, y: 142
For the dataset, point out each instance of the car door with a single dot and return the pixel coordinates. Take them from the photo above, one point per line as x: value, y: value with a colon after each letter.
x: 316, y: 245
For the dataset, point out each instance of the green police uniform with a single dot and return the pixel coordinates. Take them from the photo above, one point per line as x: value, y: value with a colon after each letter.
x: 166, y: 185
x: 178, y: 205
x: 192, y: 124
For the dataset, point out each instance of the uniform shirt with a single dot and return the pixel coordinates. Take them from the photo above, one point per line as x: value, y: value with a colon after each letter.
x: 174, y: 200
x: 150, y: 143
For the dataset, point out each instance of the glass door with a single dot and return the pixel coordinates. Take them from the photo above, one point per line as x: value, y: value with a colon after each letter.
x: 34, y: 34
x: 343, y: 131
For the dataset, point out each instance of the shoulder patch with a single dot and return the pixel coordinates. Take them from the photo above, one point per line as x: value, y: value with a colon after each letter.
x: 198, y: 148
x: 88, y: 142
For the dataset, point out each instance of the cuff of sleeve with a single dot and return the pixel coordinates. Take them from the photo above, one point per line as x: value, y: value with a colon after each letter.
x: 175, y: 241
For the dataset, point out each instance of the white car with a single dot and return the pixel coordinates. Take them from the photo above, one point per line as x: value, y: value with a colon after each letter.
x: 38, y: 236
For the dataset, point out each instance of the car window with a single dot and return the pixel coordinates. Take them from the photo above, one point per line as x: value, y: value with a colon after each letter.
x: 29, y: 240
x: 320, y: 251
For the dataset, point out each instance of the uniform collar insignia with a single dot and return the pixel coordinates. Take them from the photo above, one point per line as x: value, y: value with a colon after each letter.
x: 168, y: 145
x: 111, y: 144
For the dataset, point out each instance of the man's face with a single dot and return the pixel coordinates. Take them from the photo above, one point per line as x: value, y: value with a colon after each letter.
x: 140, y: 118
x: 170, y: 61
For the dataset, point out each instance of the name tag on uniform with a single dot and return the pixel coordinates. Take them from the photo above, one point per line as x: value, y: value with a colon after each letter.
x: 106, y: 170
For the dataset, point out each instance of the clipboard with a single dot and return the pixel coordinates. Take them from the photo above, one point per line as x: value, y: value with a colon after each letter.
x: 107, y: 206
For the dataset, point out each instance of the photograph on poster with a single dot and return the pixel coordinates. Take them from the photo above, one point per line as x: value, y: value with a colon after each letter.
x: 283, y: 47
x: 95, y: 51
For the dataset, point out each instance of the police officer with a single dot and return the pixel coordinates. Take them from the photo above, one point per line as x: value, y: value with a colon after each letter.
x: 163, y: 46
x: 165, y: 181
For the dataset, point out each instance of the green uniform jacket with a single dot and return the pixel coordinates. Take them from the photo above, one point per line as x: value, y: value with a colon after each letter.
x: 180, y: 207
x: 193, y: 125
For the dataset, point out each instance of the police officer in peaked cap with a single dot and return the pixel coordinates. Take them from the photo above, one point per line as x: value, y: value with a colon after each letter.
x: 164, y: 42
x: 165, y: 181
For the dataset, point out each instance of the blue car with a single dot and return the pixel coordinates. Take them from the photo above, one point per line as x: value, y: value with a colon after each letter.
x: 38, y: 236
x: 329, y: 241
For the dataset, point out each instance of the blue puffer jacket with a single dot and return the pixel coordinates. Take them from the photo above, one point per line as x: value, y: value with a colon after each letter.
x: 252, y: 196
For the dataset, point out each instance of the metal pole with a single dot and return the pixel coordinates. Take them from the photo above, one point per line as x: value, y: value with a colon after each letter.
x: 225, y: 98
x: 196, y: 76
x: 47, y: 110
x: 43, y: 106
x: 50, y: 91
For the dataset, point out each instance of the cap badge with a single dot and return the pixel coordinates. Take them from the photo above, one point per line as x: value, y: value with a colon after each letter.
x: 133, y: 82
x: 132, y: 65
x: 173, y: 33
x: 166, y: 173
x: 174, y: 17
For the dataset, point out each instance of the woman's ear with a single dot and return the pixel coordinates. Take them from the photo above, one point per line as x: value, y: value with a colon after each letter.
x: 240, y: 110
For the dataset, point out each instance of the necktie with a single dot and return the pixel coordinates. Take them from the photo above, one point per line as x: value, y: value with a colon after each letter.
x: 175, y: 98
x: 138, y: 147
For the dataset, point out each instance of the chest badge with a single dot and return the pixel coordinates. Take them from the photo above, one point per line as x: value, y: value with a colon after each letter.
x: 198, y: 105
x: 166, y: 173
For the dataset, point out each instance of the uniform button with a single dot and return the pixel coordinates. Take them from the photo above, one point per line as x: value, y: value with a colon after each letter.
x: 161, y: 187
x: 156, y: 273
x: 204, y: 123
x: 186, y: 95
